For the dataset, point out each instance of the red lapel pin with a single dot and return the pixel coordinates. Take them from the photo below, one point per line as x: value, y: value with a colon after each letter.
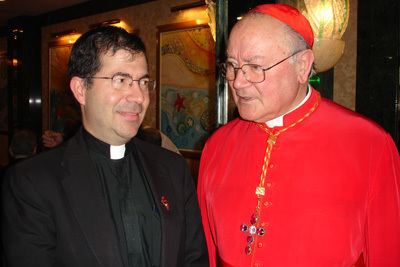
x: 165, y: 202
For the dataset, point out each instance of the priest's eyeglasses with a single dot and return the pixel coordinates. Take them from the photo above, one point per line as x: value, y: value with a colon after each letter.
x: 121, y: 81
x: 252, y: 72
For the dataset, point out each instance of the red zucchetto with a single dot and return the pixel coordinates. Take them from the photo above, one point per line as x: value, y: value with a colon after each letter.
x: 290, y: 16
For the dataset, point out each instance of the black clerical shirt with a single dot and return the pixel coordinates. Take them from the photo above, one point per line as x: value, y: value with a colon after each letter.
x: 131, y: 203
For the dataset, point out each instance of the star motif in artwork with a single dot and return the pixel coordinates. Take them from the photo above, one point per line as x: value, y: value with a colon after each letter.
x: 189, y: 122
x: 179, y: 102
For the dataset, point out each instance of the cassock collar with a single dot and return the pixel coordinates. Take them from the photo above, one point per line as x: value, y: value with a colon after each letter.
x: 297, y: 112
x: 107, y: 150
x: 279, y: 120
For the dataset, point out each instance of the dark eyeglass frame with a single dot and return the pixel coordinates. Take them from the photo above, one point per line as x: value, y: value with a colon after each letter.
x: 235, y: 69
x: 127, y: 77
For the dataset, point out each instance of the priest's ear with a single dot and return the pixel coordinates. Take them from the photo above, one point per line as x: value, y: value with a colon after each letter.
x: 304, y: 64
x: 78, y: 88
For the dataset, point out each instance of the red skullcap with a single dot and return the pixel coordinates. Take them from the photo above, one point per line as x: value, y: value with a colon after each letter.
x: 290, y: 16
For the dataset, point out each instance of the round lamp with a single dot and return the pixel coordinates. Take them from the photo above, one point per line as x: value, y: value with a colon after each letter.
x: 328, y: 19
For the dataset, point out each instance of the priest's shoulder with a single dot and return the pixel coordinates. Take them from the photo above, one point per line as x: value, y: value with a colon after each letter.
x: 46, y: 157
x: 38, y: 165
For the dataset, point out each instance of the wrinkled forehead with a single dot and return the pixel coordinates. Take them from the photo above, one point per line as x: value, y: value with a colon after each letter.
x: 257, y: 34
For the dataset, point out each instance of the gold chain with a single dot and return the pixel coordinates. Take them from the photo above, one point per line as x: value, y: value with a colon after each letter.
x: 254, y: 229
x: 260, y: 190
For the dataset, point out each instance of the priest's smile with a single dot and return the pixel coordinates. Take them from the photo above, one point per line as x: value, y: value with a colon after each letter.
x: 128, y: 115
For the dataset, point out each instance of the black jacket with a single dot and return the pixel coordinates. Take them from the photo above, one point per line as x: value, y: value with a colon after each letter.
x: 54, y: 211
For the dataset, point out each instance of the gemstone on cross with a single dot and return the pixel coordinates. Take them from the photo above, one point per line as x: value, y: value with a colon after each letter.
x: 252, y: 229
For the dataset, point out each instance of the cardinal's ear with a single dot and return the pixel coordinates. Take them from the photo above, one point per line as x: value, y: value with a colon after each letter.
x: 305, y: 61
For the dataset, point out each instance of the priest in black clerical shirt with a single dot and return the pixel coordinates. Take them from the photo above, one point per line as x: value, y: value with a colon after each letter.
x: 129, y: 198
x: 104, y: 198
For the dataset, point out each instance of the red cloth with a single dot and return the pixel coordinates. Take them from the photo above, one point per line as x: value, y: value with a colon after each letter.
x: 290, y: 16
x: 334, y: 195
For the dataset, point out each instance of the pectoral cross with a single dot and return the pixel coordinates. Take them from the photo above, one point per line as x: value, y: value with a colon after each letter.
x: 252, y: 230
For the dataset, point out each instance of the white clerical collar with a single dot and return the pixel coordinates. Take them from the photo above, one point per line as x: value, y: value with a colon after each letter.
x: 117, y: 152
x: 278, y: 121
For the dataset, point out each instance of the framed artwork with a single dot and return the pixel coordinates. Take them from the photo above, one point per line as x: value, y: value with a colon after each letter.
x: 63, y: 109
x: 186, y: 85
x: 3, y: 93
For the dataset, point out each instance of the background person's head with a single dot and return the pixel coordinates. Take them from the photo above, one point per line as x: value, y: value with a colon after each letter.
x: 110, y: 80
x: 264, y: 42
x: 150, y: 135
x: 23, y: 144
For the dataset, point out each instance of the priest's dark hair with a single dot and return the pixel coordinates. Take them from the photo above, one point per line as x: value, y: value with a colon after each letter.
x: 85, y: 58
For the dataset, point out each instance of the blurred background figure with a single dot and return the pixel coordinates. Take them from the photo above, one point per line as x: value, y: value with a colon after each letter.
x: 153, y: 135
x: 52, y: 139
x: 23, y: 145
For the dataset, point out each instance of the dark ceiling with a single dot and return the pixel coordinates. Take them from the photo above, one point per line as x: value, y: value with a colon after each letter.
x: 14, y: 8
